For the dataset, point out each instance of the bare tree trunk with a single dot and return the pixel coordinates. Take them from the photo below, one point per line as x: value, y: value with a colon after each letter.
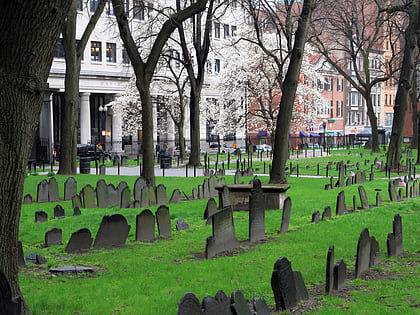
x: 374, y: 125
x: 29, y: 31
x: 281, y: 144
x: 195, y: 125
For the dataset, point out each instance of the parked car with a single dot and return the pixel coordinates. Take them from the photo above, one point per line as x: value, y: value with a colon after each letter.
x: 213, y: 148
x: 225, y: 148
x: 89, y: 150
x: 312, y: 145
x: 263, y: 148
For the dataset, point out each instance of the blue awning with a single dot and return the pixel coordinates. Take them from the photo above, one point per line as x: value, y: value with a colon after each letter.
x: 262, y: 133
x: 303, y: 134
x: 330, y: 133
x: 313, y: 134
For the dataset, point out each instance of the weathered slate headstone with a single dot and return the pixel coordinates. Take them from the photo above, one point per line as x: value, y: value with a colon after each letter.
x: 124, y: 160
x: 70, y: 188
x: 112, y: 232
x: 76, y: 201
x: 363, y: 197
x: 256, y: 212
x: 52, y: 190
x: 53, y: 237
x: 80, y: 242
x: 189, y: 305
x: 21, y: 259
x: 211, y: 208
x: 8, y: 305
x: 220, y: 304
x: 144, y: 201
x: 341, y: 203
x: 394, y: 240
x: 161, y: 195
x: 349, y: 181
x: 102, y: 195
x: 260, y: 307
x: 375, y: 255
x: 239, y: 304
x: 89, y: 199
x: 315, y: 217
x: 59, y: 212
x: 138, y: 186
x: 41, y: 216
x: 102, y: 169
x: 42, y: 191
x: 329, y: 270
x: 152, y: 195
x: 301, y: 291
x: 176, y: 196
x: 206, y: 187
x: 113, y: 196
x: 33, y: 258
x: 327, y: 213
x: 194, y: 193
x: 200, y: 192
x: 76, y: 211
x: 283, y: 285
x: 285, y: 218
x: 121, y: 186
x: 392, y: 191
x: 116, y: 160
x: 212, y: 184
x: 363, y: 253
x: 225, y: 200
x: 378, y: 199
x: 163, y: 220
x: 237, y: 178
x: 125, y: 198
x: 145, y: 226
x: 27, y: 199
x: 181, y: 225
x: 354, y: 207
x: 223, y: 237
x: 340, y: 269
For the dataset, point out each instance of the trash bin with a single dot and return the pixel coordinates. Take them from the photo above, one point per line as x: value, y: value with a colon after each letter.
x: 165, y: 161
x: 84, y: 165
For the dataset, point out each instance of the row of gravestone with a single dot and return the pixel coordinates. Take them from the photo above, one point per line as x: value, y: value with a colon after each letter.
x: 208, y: 188
x: 59, y: 213
x: 223, y: 236
x: 354, y: 178
x: 288, y: 288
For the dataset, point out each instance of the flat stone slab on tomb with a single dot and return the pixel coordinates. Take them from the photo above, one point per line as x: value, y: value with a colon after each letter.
x: 239, y: 195
x: 71, y: 270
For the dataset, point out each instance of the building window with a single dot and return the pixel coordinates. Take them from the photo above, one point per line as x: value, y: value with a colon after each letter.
x: 125, y: 57
x: 138, y: 10
x: 79, y: 5
x: 216, y: 30
x: 177, y: 57
x: 331, y: 112
x: 339, y: 109
x: 389, y: 117
x: 111, y: 52
x: 233, y: 29
x: 95, y: 51
x: 59, y: 49
x: 226, y: 33
x: 328, y: 84
x: 217, y: 66
x: 109, y: 8
x: 208, y: 66
x: 93, y: 5
x: 339, y: 85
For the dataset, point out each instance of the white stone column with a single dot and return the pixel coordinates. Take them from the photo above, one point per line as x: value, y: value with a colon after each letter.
x: 85, y: 128
x: 116, y: 131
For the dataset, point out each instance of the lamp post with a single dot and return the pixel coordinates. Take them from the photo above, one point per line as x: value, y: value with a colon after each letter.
x: 102, y: 124
x: 324, y: 125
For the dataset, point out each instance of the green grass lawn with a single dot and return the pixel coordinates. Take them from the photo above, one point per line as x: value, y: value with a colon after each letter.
x: 150, y: 278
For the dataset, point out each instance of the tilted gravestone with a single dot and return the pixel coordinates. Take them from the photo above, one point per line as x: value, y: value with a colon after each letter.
x: 363, y: 197
x: 76, y: 201
x: 163, y: 221
x: 145, y: 201
x: 102, y: 195
x: 138, y: 186
x: 27, y: 199
x: 211, y: 208
x: 239, y: 304
x: 341, y: 204
x: 378, y: 199
x: 152, y: 195
x: 194, y: 193
x: 260, y: 307
x: 394, y: 240
x: 89, y: 199
x: 223, y: 237
x: 125, y: 198
x: 112, y: 232
x: 59, y: 212
x: 176, y: 196
x: 225, y: 201
x: 220, y: 304
x: 200, y: 192
x: 316, y: 217
x: 113, y: 196
x: 285, y: 218
x: 8, y: 305
x: 327, y: 213
x: 301, y: 291
x: 283, y: 285
x: 181, y: 225
x: 363, y: 253
x: 42, y: 191
x: 329, y: 270
x: 20, y: 259
x: 53, y: 237
x: 375, y: 255
x: 189, y: 305
x: 340, y: 270
x: 392, y: 191
x: 161, y: 195
x: 41, y: 217
x: 76, y: 211
x: 120, y: 188
x: 70, y: 188
x: 145, y: 226
x: 256, y: 212
x: 52, y: 190
x: 80, y: 242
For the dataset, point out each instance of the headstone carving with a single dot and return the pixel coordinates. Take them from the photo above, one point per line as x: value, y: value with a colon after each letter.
x: 161, y: 195
x: 70, y: 188
x: 163, y: 221
x: 8, y: 305
x: 59, y: 212
x: 327, y: 213
x: 340, y: 269
x: 102, y: 195
x: 53, y: 190
x: 42, y: 192
x: 285, y: 219
x: 181, y: 225
x: 329, y: 270
x: 80, y: 242
x: 53, y: 237
x: 138, y: 186
x: 211, y: 209
x: 145, y: 226
x: 112, y: 232
x: 41, y: 217
x: 256, y: 212
x: 394, y: 240
x: 125, y: 198
x: 341, y: 204
x: 375, y: 256
x: 27, y: 199
x: 89, y: 200
x: 363, y: 253
x: 239, y: 304
x: 176, y: 196
x: 223, y: 237
x: 363, y: 197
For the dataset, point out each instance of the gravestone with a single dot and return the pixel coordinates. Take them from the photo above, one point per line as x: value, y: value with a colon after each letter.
x: 349, y: 181
x: 340, y: 270
x: 237, y: 178
x: 102, y: 169
x: 89, y: 199
x: 41, y: 216
x: 102, y: 195
x: 53, y: 190
x: 328, y: 187
x: 176, y: 196
x: 225, y: 200
x: 145, y: 226
x: 113, y: 196
x: 124, y: 160
x: 27, y: 200
x: 363, y: 253
x: 392, y: 191
x: 181, y: 225
x: 76, y: 201
x: 341, y: 203
x: 260, y: 307
x: 80, y: 242
x: 285, y: 218
x: 189, y: 305
x: 163, y: 221
x: 152, y: 195
x: 53, y: 237
x: 239, y: 304
x: 220, y: 304
x: 329, y: 270
x: 59, y: 212
x: 76, y: 211
x: 315, y: 217
x: 8, y: 305
x: 125, y: 198
x: 116, y: 160
x: 223, y: 237
x: 301, y: 291
x: 70, y: 188
x: 160, y: 195
x: 200, y: 192
x: 138, y: 186
x: 42, y: 191
x: 394, y: 240
x: 33, y: 258
x: 144, y: 201
x: 206, y: 188
x: 283, y: 285
x: 363, y: 197
x: 120, y: 188
x: 194, y: 193
x: 340, y: 181
x: 256, y: 212
x: 212, y: 184
x: 375, y: 255
x: 112, y: 232
x: 378, y: 199
x: 211, y: 208
x: 20, y: 259
x: 327, y: 213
